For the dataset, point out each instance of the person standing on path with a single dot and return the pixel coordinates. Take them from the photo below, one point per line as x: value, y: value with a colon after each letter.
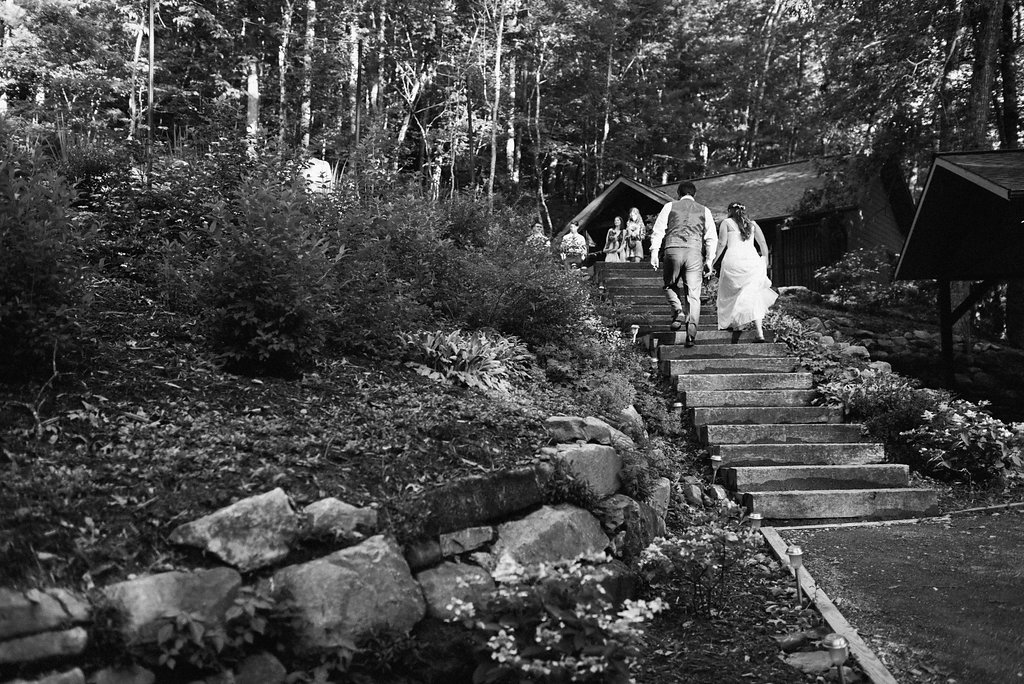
x: 744, y: 289
x: 615, y: 243
x: 573, y: 247
x: 690, y: 240
x: 635, y: 234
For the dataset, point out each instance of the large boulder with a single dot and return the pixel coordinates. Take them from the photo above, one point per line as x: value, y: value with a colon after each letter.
x: 463, y: 541
x: 633, y: 524
x: 550, y: 534
x: 249, y: 534
x: 350, y: 593
x: 453, y: 581
x: 595, y: 464
x: 145, y: 601
x: 261, y: 668
x: 45, y: 646
x: 33, y: 611
x: 661, y: 496
x: 75, y: 676
x: 132, y: 674
x: 569, y: 429
x: 473, y: 501
x: 333, y: 517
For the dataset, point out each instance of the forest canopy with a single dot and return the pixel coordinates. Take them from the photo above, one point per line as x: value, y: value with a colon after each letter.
x: 546, y: 98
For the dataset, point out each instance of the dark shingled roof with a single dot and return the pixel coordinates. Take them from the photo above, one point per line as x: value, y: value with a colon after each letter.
x: 968, y: 224
x: 771, y: 192
x: 999, y: 171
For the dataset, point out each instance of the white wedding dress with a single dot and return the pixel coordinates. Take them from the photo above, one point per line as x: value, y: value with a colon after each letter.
x: 744, y: 289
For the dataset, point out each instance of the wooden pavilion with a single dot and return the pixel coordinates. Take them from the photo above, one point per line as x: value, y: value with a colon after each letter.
x: 800, y: 243
x: 969, y: 226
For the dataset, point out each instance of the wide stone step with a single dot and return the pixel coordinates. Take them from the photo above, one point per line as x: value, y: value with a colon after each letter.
x: 805, y: 477
x: 705, y: 337
x: 660, y: 305
x: 743, y: 381
x: 740, y: 398
x: 670, y: 352
x: 868, y: 504
x: 734, y: 364
x: 854, y: 453
x: 782, y: 434
x: 630, y: 292
x: 627, y: 266
x: 757, y: 415
x: 614, y: 284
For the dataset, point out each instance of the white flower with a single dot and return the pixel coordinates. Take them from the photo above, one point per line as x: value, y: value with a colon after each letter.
x: 507, y: 570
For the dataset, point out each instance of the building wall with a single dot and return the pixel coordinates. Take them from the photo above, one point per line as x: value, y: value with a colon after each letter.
x: 876, y: 223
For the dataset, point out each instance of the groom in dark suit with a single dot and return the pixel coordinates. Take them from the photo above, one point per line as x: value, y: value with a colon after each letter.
x: 690, y: 239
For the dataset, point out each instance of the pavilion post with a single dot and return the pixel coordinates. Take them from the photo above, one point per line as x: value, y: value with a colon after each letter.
x: 946, y: 330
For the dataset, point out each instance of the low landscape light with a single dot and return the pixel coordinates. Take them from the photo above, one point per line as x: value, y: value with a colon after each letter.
x: 716, y: 463
x: 796, y: 561
x: 838, y: 651
x: 635, y: 329
x: 755, y: 521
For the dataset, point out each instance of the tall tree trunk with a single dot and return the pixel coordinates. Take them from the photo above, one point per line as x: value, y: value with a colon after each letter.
x: 606, y: 124
x: 1008, y: 77
x: 252, y: 109
x: 134, y: 96
x: 354, y: 54
x: 306, y: 106
x: 538, y: 166
x: 287, y: 9
x: 987, y: 19
x: 470, y: 139
x: 149, y: 97
x: 510, y: 128
x: 495, y: 105
x: 1014, y: 315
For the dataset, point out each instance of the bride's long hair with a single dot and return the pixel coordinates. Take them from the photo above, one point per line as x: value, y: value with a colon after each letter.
x: 738, y: 213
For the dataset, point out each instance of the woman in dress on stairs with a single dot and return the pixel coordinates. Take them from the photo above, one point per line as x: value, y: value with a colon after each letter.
x: 744, y: 289
x: 615, y: 243
x: 635, y: 233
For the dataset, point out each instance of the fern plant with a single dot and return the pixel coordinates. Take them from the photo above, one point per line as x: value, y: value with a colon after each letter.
x: 477, y: 359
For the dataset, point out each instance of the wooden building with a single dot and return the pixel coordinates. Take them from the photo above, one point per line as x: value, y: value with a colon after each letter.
x: 968, y: 227
x: 880, y: 214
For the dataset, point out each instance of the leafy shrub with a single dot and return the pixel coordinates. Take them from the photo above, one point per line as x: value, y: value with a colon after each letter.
x: 264, y: 290
x: 863, y: 278
x: 555, y: 623
x: 886, y: 403
x: 701, y: 564
x: 564, y: 487
x: 40, y: 275
x: 822, y: 360
x: 187, y: 639
x: 478, y: 359
x: 637, y: 476
x: 961, y: 440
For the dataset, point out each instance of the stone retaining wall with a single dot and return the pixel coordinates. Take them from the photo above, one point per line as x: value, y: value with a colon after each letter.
x: 367, y: 583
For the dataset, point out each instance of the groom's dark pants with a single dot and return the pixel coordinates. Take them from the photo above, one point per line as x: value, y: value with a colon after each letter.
x: 686, y: 265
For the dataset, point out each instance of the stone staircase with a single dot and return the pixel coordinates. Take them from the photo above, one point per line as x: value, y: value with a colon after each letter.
x: 752, y: 404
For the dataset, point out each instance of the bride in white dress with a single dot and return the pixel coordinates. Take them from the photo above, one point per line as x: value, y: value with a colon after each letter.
x: 744, y: 289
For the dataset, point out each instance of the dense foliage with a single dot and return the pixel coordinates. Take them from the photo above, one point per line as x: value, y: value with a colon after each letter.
x: 556, y: 623
x: 516, y: 96
x: 863, y: 279
x: 41, y: 279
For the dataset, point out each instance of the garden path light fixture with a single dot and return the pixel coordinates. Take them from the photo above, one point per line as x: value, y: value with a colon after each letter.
x: 796, y: 561
x: 716, y: 463
x: 755, y: 521
x: 838, y: 651
x: 635, y: 330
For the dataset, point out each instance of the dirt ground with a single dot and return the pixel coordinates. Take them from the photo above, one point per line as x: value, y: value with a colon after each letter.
x: 940, y: 601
